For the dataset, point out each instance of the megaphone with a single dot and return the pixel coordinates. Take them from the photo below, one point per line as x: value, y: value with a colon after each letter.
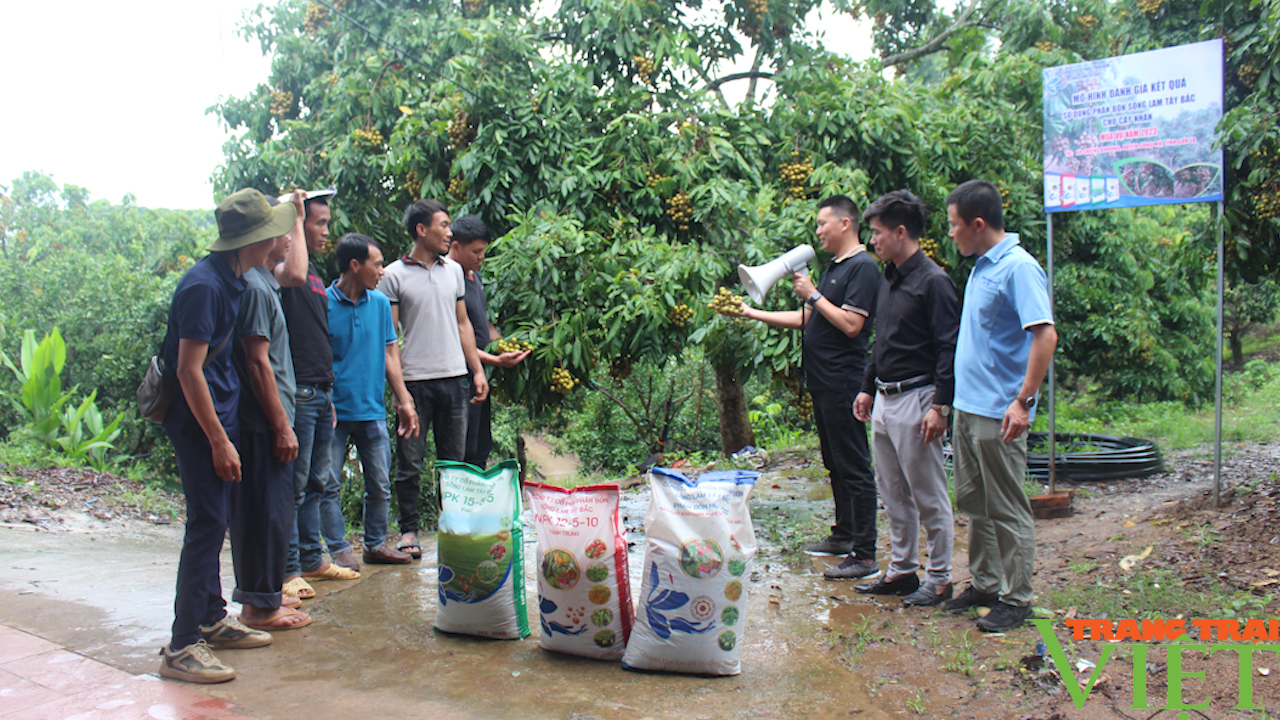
x: 758, y: 279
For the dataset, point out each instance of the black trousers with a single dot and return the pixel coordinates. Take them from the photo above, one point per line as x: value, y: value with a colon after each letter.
x: 847, y: 456
x: 262, y: 508
x: 442, y: 406
x: 198, y: 598
x: 479, y: 434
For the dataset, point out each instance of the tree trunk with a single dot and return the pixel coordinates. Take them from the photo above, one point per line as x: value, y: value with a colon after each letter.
x: 1237, y: 349
x: 731, y: 402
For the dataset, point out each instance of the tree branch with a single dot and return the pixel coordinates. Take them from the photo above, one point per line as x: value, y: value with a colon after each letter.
x: 964, y: 20
x: 738, y: 76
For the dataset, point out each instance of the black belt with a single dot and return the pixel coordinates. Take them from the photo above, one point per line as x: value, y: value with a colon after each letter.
x: 319, y: 386
x: 901, y: 386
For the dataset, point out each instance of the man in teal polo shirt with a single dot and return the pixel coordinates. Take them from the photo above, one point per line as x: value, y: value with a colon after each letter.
x: 1003, y: 351
x: 365, y: 350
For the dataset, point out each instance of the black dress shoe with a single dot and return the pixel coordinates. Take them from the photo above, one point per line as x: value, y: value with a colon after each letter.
x: 901, y: 585
x: 928, y: 595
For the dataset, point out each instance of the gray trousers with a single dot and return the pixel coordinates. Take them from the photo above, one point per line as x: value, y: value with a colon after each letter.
x: 913, y: 485
x: 1002, y: 536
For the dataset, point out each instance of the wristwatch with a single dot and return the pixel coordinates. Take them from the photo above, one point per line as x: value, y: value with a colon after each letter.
x: 815, y: 297
x: 1027, y: 402
x: 943, y: 410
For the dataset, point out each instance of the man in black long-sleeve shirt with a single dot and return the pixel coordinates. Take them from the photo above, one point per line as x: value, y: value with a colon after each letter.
x: 910, y: 382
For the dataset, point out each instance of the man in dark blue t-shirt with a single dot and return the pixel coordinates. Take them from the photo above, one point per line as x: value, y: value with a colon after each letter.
x: 837, y: 317
x: 204, y: 426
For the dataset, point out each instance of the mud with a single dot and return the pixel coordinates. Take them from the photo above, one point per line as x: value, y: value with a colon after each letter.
x: 105, y: 590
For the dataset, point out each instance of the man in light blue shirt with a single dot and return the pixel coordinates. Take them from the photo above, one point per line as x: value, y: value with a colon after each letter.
x: 365, y: 350
x: 1006, y: 342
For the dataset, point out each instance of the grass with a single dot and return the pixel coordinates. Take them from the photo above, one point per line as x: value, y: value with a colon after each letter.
x: 963, y: 655
x: 149, y: 498
x: 1156, y: 594
x: 857, y: 640
x: 1251, y: 413
x: 916, y: 703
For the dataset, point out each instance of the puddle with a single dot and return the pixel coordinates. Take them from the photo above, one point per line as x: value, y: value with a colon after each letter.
x: 108, y: 594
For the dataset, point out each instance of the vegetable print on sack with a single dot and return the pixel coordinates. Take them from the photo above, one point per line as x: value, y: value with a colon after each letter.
x: 584, y: 595
x: 700, y: 544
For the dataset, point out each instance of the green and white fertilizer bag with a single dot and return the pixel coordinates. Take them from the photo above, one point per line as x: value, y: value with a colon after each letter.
x: 692, y: 600
x: 481, y: 552
x: 584, y: 588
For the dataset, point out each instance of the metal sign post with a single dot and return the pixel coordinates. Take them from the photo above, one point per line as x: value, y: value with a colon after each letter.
x: 1217, y: 388
x: 1053, y: 398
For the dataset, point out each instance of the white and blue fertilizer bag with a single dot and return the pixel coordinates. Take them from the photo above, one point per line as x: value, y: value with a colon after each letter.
x: 481, y: 551
x: 700, y: 545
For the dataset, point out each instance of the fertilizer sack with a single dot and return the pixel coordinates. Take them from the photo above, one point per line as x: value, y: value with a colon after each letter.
x: 692, y: 599
x: 481, y: 552
x: 584, y: 591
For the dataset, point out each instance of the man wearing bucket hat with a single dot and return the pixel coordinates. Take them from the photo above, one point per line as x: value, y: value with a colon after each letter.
x: 204, y: 427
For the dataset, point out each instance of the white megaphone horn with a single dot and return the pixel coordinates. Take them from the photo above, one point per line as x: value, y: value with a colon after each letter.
x: 757, y: 280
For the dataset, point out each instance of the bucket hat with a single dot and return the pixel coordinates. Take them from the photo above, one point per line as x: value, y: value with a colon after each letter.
x: 245, y: 217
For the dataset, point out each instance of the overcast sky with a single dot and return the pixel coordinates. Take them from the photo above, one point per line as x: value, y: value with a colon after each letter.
x: 111, y: 96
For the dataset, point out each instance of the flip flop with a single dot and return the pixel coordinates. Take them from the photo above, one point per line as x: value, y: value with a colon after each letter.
x: 280, y: 622
x: 333, y: 572
x: 412, y: 548
x: 299, y: 588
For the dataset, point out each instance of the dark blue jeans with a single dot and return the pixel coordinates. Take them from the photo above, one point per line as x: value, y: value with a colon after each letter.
x: 315, y: 484
x: 442, y: 406
x: 262, y: 511
x: 198, y: 600
x: 847, y: 456
x: 373, y: 447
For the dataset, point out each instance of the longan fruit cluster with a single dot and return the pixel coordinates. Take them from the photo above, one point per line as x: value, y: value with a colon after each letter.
x: 653, y: 178
x: 933, y: 251
x: 803, y: 404
x: 461, y: 130
x: 472, y: 6
x: 458, y: 188
x: 413, y: 183
x: 796, y: 175
x: 506, y: 345
x: 369, y: 137
x: 680, y: 208
x: 281, y: 102
x: 643, y: 66
x: 788, y: 379
x: 680, y: 315
x: 1267, y: 204
x: 620, y: 367
x: 1045, y: 46
x: 315, y: 19
x: 1087, y: 21
x: 1248, y: 74
x: 726, y: 302
x: 1150, y: 7
x: 562, y: 381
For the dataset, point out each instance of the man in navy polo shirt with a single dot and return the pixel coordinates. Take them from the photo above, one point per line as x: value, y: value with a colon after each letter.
x: 837, y: 317
x: 366, y: 355
x: 1006, y: 342
x: 204, y: 427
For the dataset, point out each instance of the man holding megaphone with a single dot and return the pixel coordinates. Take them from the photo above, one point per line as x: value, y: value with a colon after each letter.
x: 836, y: 317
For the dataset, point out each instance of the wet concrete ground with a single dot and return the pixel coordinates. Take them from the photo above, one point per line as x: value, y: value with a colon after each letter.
x: 107, y: 592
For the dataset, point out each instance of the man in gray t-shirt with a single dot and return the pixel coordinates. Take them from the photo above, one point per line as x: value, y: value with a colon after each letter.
x: 438, y: 354
x: 262, y: 507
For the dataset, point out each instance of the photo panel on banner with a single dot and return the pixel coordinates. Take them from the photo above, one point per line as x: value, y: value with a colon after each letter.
x: 1134, y: 130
